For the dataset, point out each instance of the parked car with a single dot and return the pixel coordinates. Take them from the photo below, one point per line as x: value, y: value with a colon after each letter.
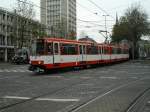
x: 21, y: 57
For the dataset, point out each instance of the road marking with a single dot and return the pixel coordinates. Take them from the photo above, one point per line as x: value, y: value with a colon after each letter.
x: 86, y: 84
x: 148, y: 102
x: 88, y: 92
x: 108, y: 78
x: 53, y: 77
x: 42, y: 99
x: 15, y: 70
x: 134, y: 77
x: 57, y: 100
x: 17, y: 97
x: 85, y: 77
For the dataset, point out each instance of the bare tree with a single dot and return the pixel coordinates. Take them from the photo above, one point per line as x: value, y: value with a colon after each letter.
x: 25, y: 14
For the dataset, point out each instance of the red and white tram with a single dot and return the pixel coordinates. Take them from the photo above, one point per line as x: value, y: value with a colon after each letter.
x: 51, y: 53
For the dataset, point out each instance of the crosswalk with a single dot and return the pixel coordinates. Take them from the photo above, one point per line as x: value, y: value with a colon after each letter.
x: 20, y: 70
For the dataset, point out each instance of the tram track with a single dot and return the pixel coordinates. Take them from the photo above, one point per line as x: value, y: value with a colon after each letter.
x: 77, y: 109
x: 139, y: 99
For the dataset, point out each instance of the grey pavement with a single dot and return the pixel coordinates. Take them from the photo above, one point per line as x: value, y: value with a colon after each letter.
x: 102, y: 89
x: 9, y: 67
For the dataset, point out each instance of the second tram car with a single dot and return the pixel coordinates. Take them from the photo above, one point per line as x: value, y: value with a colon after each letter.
x: 51, y: 53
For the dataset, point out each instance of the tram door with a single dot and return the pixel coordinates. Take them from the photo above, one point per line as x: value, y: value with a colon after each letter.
x: 82, y: 54
x: 56, y: 54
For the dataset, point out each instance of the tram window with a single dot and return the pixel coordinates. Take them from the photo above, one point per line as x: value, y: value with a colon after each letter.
x: 118, y: 50
x: 114, y: 51
x: 40, y: 47
x: 100, y: 49
x: 50, y: 48
x: 69, y: 49
x: 105, y: 50
x: 122, y: 51
x: 94, y: 50
x: 88, y: 49
x: 56, y: 48
x: 80, y: 47
x: 84, y: 49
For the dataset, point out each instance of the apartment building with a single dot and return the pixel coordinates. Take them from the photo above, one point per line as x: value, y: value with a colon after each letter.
x: 60, y: 17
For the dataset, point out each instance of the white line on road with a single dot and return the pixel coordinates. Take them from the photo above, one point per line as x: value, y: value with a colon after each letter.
x: 89, y: 92
x: 14, y: 70
x: 85, y: 77
x: 108, y: 78
x: 17, y: 97
x: 42, y: 99
x: 57, y: 100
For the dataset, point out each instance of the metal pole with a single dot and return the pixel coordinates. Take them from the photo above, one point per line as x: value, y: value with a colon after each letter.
x: 106, y: 27
x: 6, y: 22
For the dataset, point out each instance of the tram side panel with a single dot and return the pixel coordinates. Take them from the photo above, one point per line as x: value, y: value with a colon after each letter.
x: 69, y: 60
x: 93, y: 56
x: 106, y: 55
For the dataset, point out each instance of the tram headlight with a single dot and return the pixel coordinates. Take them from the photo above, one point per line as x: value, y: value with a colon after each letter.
x: 40, y: 62
x: 37, y: 62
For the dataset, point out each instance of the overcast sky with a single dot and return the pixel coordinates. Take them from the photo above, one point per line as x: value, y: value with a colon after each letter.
x: 87, y: 11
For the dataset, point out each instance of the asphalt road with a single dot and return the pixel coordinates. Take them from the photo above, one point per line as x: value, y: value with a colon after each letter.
x: 116, y: 88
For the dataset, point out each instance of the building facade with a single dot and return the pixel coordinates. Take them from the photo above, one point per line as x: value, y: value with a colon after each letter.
x: 6, y: 29
x: 60, y: 17
x: 16, y: 32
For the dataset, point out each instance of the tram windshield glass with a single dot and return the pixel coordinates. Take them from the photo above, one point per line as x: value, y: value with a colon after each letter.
x: 40, y: 47
x: 37, y: 47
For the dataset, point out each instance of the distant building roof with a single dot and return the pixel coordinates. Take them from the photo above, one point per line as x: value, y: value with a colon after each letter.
x: 87, y: 39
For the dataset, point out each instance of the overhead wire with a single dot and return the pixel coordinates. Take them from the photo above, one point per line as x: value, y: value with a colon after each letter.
x: 95, y: 13
x: 101, y: 9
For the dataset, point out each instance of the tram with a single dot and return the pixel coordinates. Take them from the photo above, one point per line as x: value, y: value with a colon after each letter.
x: 52, y: 53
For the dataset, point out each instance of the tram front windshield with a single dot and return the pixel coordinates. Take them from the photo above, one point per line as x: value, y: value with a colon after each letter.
x: 37, y: 47
x: 40, y: 47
